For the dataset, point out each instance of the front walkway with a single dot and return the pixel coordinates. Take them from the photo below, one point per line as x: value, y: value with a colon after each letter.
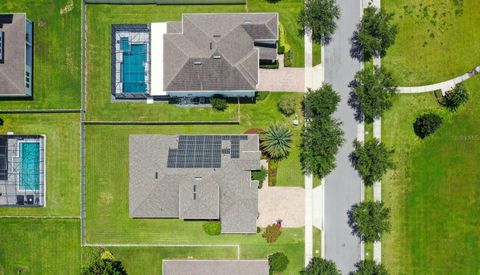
x: 283, y: 79
x: 444, y: 86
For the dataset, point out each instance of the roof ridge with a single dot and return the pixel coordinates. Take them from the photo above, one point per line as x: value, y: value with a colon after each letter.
x: 181, y: 67
x: 150, y: 194
x: 241, y: 61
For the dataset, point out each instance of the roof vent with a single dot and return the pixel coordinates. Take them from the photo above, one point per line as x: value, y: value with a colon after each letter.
x: 217, y: 57
x: 217, y: 35
x: 197, y: 63
x: 248, y: 22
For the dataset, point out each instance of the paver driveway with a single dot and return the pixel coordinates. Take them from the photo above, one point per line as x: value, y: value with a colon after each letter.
x: 284, y: 203
x: 282, y: 79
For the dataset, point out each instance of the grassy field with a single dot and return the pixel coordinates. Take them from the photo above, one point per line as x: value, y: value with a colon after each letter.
x: 40, y: 246
x: 63, y: 160
x: 437, y: 40
x: 134, y: 258
x: 433, y: 192
x: 57, y: 55
x: 288, y: 11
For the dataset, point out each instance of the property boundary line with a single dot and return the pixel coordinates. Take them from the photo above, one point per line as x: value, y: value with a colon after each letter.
x: 41, y: 217
x: 92, y: 122
x: 42, y: 111
x: 82, y: 131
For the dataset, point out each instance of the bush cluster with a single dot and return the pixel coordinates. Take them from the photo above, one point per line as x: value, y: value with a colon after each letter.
x: 219, y: 103
x: 260, y: 176
x: 272, y: 232
x: 287, y: 105
x: 278, y: 262
x: 212, y: 228
x: 427, y: 124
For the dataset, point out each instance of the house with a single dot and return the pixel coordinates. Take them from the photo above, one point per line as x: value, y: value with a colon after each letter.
x: 16, y: 55
x: 200, y: 56
x: 215, y: 267
x: 195, y: 177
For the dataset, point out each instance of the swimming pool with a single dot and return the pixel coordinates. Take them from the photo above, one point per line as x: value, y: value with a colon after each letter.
x: 29, y: 178
x: 133, y: 67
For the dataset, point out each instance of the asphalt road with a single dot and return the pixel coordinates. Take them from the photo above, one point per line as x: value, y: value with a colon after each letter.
x: 343, y: 185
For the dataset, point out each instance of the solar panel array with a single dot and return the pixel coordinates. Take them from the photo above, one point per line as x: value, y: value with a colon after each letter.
x: 203, y: 151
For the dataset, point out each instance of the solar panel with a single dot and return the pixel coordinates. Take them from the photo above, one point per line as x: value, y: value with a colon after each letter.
x: 203, y: 151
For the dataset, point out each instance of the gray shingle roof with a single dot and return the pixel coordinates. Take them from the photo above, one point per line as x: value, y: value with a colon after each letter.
x: 215, y: 267
x: 226, y: 192
x: 216, y: 51
x: 12, y: 71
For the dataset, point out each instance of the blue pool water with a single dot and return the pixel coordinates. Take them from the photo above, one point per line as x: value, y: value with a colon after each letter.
x: 30, y: 166
x: 133, y: 67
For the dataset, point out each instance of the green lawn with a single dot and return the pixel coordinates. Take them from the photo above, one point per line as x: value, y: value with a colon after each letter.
x: 40, y: 246
x: 317, y: 242
x: 62, y: 132
x: 288, y: 11
x: 57, y: 54
x: 433, y: 192
x: 134, y: 259
x: 317, y: 54
x: 436, y: 41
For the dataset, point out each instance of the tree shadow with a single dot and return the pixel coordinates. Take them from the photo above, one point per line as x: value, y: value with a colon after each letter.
x: 354, y: 103
x: 351, y: 221
x: 356, y: 50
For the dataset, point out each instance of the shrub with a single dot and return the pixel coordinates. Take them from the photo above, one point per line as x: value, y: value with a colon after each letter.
x: 289, y: 57
x: 458, y: 96
x: 370, y: 220
x: 259, y: 96
x: 426, y: 124
x: 273, y: 65
x: 272, y: 232
x: 319, y: 266
x: 219, y: 103
x: 283, y: 45
x: 278, y: 262
x: 287, y: 105
x: 372, y: 160
x: 259, y: 175
x: 369, y: 267
x: 276, y: 140
x: 212, y: 228
x: 103, y: 262
x: 272, y: 172
x: 259, y: 229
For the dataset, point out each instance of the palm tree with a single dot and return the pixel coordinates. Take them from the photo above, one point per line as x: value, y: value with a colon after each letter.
x: 276, y: 141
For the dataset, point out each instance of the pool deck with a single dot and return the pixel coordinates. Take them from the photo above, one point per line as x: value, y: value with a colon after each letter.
x: 10, y: 188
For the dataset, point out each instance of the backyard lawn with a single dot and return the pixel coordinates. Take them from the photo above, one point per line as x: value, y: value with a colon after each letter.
x: 437, y: 40
x: 40, y: 246
x: 57, y: 54
x: 62, y: 133
x: 99, y: 100
x: 433, y: 192
x: 288, y: 11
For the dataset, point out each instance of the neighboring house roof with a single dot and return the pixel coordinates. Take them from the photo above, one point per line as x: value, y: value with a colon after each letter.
x: 12, y: 70
x: 215, y: 267
x: 195, y: 177
x: 217, y: 51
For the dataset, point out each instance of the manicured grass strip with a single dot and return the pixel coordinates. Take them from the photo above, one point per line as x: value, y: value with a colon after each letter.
x: 62, y: 133
x: 148, y: 260
x: 317, y: 54
x: 317, y: 242
x: 437, y: 40
x: 288, y: 11
x: 57, y: 55
x: 433, y: 192
x: 40, y: 246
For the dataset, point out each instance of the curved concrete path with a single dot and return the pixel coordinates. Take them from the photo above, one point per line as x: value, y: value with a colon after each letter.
x: 444, y: 86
